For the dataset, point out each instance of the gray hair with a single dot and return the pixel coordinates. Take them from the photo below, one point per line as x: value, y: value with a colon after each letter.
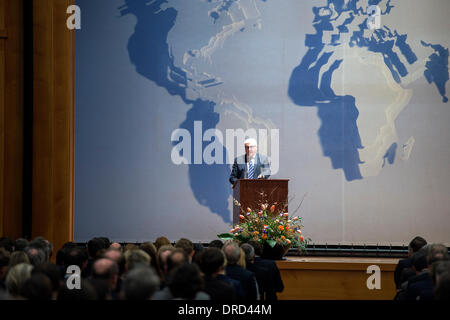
x: 17, y: 276
x: 249, y: 252
x: 232, y: 252
x: 140, y: 283
x: 136, y: 257
x: 37, y: 256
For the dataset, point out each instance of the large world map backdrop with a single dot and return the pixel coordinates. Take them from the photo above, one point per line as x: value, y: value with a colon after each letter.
x: 354, y: 113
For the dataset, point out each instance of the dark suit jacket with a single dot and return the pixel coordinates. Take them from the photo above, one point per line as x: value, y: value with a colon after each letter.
x: 420, y: 286
x: 246, y: 278
x: 402, y: 264
x: 273, y: 282
x: 239, y: 170
x: 219, y: 290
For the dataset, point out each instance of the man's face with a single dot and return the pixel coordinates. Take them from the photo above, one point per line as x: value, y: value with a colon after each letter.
x: 250, y: 151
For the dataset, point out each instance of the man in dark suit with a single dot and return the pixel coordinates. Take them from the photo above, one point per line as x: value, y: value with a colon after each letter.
x: 404, y: 267
x: 272, y: 282
x: 236, y: 272
x: 420, y: 286
x: 252, y: 165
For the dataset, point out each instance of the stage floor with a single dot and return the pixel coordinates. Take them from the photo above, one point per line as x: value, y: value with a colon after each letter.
x: 337, y: 278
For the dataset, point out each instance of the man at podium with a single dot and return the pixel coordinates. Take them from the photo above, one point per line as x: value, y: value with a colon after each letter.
x: 252, y: 165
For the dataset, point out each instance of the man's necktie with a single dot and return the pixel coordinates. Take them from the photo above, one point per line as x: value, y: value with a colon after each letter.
x: 250, y: 170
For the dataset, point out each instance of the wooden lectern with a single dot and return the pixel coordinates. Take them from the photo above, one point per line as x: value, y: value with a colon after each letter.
x: 251, y: 193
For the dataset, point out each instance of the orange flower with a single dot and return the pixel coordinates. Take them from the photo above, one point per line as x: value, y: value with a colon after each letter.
x: 299, y: 231
x: 264, y: 206
x: 241, y: 216
x: 272, y: 208
x: 260, y: 213
x: 301, y: 238
x: 285, y: 214
x: 264, y: 236
x: 288, y: 241
x: 255, y: 233
x: 295, y: 219
x: 283, y: 237
x: 281, y: 228
x: 249, y: 210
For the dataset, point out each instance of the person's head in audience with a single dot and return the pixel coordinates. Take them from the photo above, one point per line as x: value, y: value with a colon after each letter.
x: 116, y: 245
x: 37, y: 287
x: 187, y: 246
x: 150, y: 248
x: 94, y: 246
x: 44, y: 245
x: 16, y: 277
x: 257, y: 247
x: 140, y: 283
x: 232, y: 252
x: 419, y: 262
x: 437, y: 252
x: 118, y: 257
x: 104, y: 277
x: 163, y: 253
x: 442, y: 289
x: 185, y: 281
x: 5, y: 258
x: 106, y: 242
x: 20, y: 244
x: 161, y: 241
x: 216, y: 244
x: 176, y: 258
x: 75, y: 256
x: 53, y: 274
x: 134, y: 258
x: 37, y: 256
x: 249, y: 252
x: 212, y: 262
x: 415, y: 245
x: 7, y: 244
x: 86, y: 292
x: 18, y: 257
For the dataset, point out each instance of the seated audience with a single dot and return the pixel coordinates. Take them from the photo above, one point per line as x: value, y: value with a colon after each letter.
x: 16, y: 277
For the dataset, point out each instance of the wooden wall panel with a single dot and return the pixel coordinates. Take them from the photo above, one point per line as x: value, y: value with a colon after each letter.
x: 53, y: 122
x: 12, y: 117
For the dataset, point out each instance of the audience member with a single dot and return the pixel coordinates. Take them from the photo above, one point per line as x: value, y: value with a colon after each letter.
x: 16, y: 258
x: 140, y: 283
x: 161, y: 241
x: 420, y: 286
x: 104, y: 278
x: 187, y: 246
x: 20, y: 244
x: 275, y: 283
x: 116, y: 245
x: 7, y: 244
x: 216, y: 244
x: 399, y: 275
x: 135, y: 258
x: 151, y: 250
x: 36, y: 256
x: 53, y: 274
x: 235, y: 271
x: 37, y: 287
x: 16, y: 277
x: 212, y: 263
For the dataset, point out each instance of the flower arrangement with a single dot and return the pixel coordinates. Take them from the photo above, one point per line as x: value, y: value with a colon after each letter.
x: 268, y: 225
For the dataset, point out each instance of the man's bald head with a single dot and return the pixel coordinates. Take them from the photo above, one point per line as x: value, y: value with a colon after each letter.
x: 104, y: 268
